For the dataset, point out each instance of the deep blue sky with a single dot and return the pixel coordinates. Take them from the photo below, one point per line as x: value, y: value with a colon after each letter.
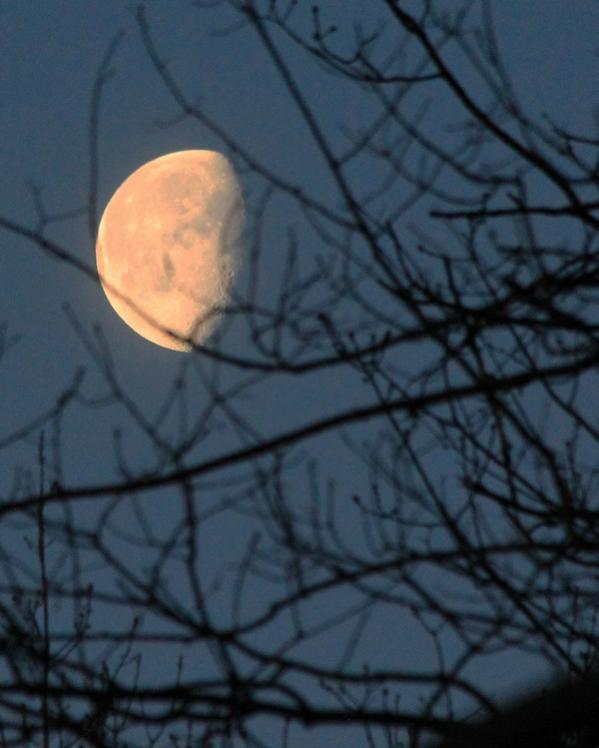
x: 49, y: 56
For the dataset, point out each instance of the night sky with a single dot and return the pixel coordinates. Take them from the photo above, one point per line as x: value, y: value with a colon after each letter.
x: 50, y: 54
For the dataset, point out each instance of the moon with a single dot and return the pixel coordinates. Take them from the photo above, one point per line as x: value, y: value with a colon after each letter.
x: 168, y: 246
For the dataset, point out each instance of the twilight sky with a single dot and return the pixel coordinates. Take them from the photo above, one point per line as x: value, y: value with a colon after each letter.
x: 50, y: 54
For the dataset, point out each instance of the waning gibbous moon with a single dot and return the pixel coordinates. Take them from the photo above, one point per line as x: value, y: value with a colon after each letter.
x: 168, y: 246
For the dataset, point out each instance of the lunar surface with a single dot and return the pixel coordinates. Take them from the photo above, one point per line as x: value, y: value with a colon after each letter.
x: 168, y: 246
